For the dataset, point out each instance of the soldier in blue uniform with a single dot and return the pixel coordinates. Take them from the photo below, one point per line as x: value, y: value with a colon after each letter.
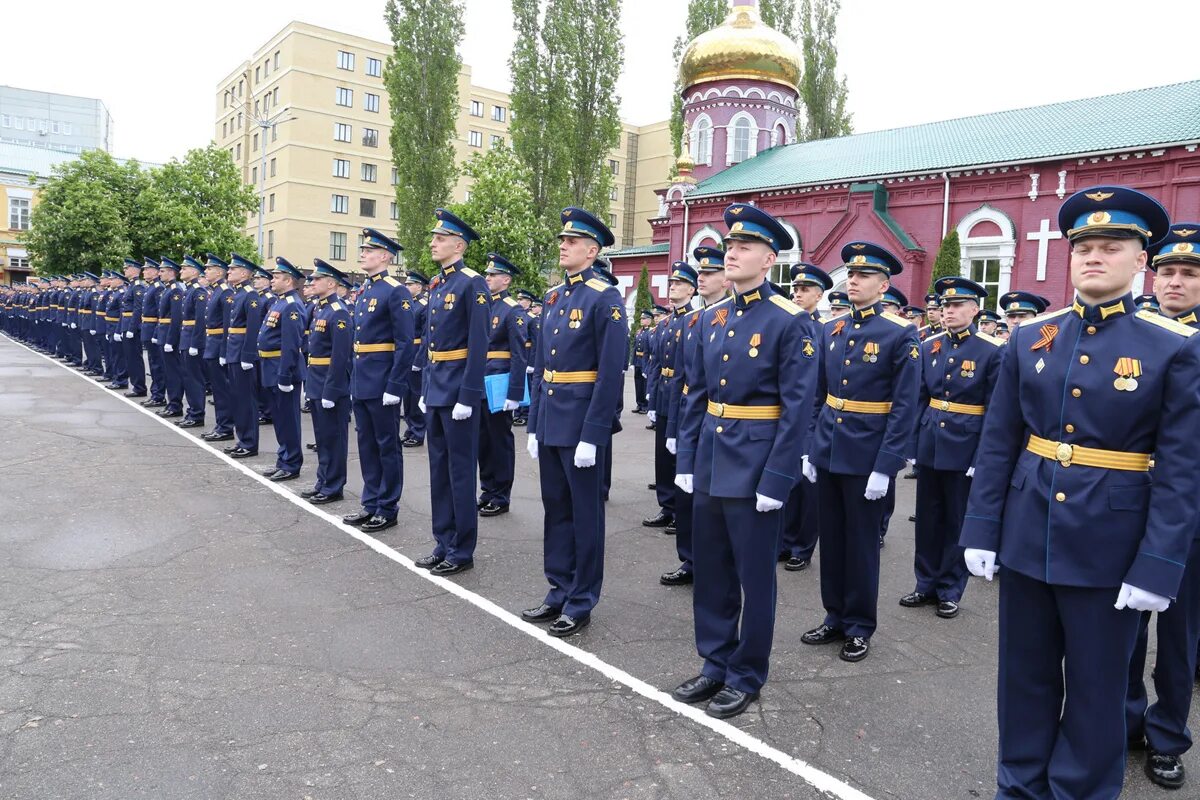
x: 126, y: 335
x: 532, y: 306
x: 281, y: 356
x: 867, y: 408
x: 746, y: 414
x: 414, y: 418
x: 1002, y: 331
x: 216, y: 322
x: 894, y: 302
x: 114, y: 319
x: 327, y: 384
x: 987, y: 321
x: 581, y: 358
x: 1176, y: 263
x: 641, y: 344
x: 933, y: 312
x: 1020, y: 306
x: 839, y: 304
x: 383, y: 358
x: 507, y: 356
x: 92, y: 351
x: 1062, y: 496
x: 148, y: 315
x: 602, y: 268
x: 959, y: 369
x: 261, y: 281
x: 191, y: 341
x: 244, y: 318
x: 1147, y: 302
x: 167, y: 335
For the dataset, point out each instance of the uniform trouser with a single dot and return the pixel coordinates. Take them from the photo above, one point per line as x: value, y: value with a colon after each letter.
x: 73, y: 345
x: 244, y: 405
x: 107, y: 345
x: 285, y: 419
x: 193, y: 385
x: 135, y: 366
x: 414, y: 417
x: 664, y: 468
x: 573, y: 532
x: 889, y: 507
x: 378, y: 429
x: 800, y: 526
x: 158, y: 379
x: 1165, y: 722
x: 733, y: 598
x: 606, y: 484
x: 262, y: 393
x: 1064, y: 669
x: 218, y: 378
x: 453, y: 460
x: 685, y: 529
x: 173, y: 379
x: 119, y: 372
x: 639, y: 389
x: 849, y: 553
x: 497, y: 456
x: 93, y: 351
x: 941, y: 505
x: 331, y: 428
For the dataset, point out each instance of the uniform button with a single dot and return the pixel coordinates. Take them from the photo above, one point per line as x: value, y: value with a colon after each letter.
x: 847, y: 362
x: 947, y: 393
x: 1091, y: 329
x: 556, y: 330
x: 722, y: 381
x: 1069, y: 428
x: 1076, y: 393
x: 730, y: 334
x: 433, y: 327
x: 857, y: 326
x: 839, y: 419
x: 551, y: 392
x: 850, y: 343
x: 1060, y: 497
x: 720, y: 429
x: 561, y: 311
x: 739, y: 313
x: 941, y: 424
x: 553, y: 352
x: 1084, y: 359
x: 845, y: 382
x: 952, y: 361
x: 948, y: 376
x: 725, y: 357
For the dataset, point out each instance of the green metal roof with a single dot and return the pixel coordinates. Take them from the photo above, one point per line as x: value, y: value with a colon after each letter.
x: 1129, y: 120
x: 641, y: 250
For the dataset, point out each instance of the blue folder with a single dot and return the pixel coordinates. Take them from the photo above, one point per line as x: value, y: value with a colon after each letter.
x: 496, y: 389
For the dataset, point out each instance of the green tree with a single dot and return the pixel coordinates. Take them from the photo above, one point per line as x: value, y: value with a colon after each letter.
x: 948, y: 261
x: 822, y: 94
x: 501, y: 212
x: 780, y: 15
x: 644, y: 301
x: 194, y: 206
x: 422, y: 83
x: 703, y: 15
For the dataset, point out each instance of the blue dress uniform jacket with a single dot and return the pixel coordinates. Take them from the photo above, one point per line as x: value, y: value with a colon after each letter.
x: 170, y: 315
x: 456, y: 338
x: 245, y: 318
x: 508, y: 334
x: 132, y: 304
x: 220, y: 299
x: 330, y: 351
x: 194, y: 333
x: 149, y: 311
x: 958, y: 375
x: 420, y: 309
x: 280, y: 342
x: 383, y: 339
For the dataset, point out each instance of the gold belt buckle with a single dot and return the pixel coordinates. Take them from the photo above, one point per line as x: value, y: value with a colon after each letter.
x: 945, y: 405
x: 550, y: 376
x: 719, y: 408
x: 839, y: 403
x: 1064, y: 453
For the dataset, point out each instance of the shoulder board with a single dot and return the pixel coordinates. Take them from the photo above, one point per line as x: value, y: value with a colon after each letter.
x: 598, y: 284
x: 943, y: 333
x: 555, y: 288
x: 336, y: 306
x: 785, y: 304
x: 470, y: 273
x: 1048, y: 315
x: 695, y: 312
x: 828, y: 320
x: 291, y: 299
x: 509, y: 301
x: 249, y: 289
x: 992, y: 340
x: 423, y: 301
x: 1163, y: 322
x: 390, y: 281
x: 721, y: 302
x: 896, y: 319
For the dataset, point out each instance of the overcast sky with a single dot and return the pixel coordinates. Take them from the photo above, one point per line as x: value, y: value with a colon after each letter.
x: 156, y: 63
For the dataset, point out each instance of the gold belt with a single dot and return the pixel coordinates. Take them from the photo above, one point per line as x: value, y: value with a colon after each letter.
x: 730, y: 411
x: 554, y: 376
x: 499, y: 354
x: 237, y: 330
x: 381, y: 347
x: 667, y: 372
x: 189, y: 323
x: 956, y: 408
x: 417, y: 340
x: 316, y: 361
x: 126, y: 313
x: 112, y: 319
x: 144, y: 319
x: 857, y: 406
x: 1069, y: 454
x: 448, y: 355
x: 214, y: 331
x: 270, y: 353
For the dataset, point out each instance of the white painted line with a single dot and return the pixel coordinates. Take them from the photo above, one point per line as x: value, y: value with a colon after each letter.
x: 821, y: 781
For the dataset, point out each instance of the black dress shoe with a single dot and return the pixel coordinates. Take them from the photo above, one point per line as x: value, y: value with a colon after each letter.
x: 1164, y: 770
x: 430, y: 561
x: 671, y: 530
x: 650, y: 427
x: 281, y: 475
x: 377, y: 523
x: 309, y: 493
x: 411, y: 441
x: 947, y: 609
x: 697, y: 689
x: 446, y: 568
x: 651, y: 486
x: 729, y: 702
x: 567, y: 625
x: 796, y: 564
x: 192, y: 423
x: 855, y: 649
x: 661, y: 521
x: 241, y: 452
x: 268, y: 472
x: 129, y: 394
x: 169, y: 414
x: 917, y: 599
x: 912, y: 517
x: 116, y: 386
x: 312, y: 446
x: 520, y: 422
x: 880, y: 542
x: 325, y: 499
x: 265, y: 421
x: 492, y: 510
x: 213, y: 436
x: 823, y: 634
x: 542, y: 613
x: 152, y: 403
x: 911, y: 475
x: 358, y: 518
x: 680, y: 577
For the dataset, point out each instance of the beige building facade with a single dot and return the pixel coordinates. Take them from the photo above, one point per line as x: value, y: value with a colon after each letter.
x: 307, y: 120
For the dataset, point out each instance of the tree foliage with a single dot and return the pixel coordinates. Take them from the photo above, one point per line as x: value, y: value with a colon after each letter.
x: 822, y: 94
x: 703, y: 15
x: 644, y: 301
x: 422, y: 83
x: 949, y: 259
x: 780, y: 15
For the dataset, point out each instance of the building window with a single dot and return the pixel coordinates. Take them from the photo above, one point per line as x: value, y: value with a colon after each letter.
x: 275, y: 96
x: 340, y: 204
x: 370, y: 137
x: 612, y: 193
x: 476, y: 108
x: 612, y: 221
x: 239, y: 151
x: 341, y: 132
x: 337, y: 246
x: 497, y: 140
x: 475, y: 138
x: 270, y: 244
x: 395, y: 177
x: 276, y: 59
x: 344, y: 97
x: 743, y: 134
x: 224, y: 96
x: 395, y: 210
x: 614, y: 167
x: 271, y: 203
x: 274, y: 132
x: 18, y: 213
x: 224, y: 129
x: 986, y: 272
x: 372, y: 102
x: 345, y: 60
x: 239, y: 120
x: 18, y: 262
x: 266, y: 67
x: 255, y: 140
x: 272, y: 168
x: 499, y: 113
x: 257, y: 74
x: 467, y: 196
x: 374, y: 67
x: 341, y: 168
x: 366, y: 207
x: 254, y: 175
x: 241, y: 88
x: 368, y: 172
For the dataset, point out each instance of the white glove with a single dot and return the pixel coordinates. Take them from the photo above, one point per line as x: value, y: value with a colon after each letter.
x: 421, y: 404
x: 221, y: 361
x: 153, y: 340
x: 327, y: 403
x: 283, y: 388
x: 511, y: 405
x: 91, y: 333
x: 193, y: 351
x: 912, y: 462
x: 585, y: 455
x: 684, y: 482
x: 671, y: 445
x: 981, y: 563
x: 808, y: 470
x: 128, y: 334
x: 390, y: 399
x: 416, y: 368
x: 1132, y: 597
x: 877, y: 486
x: 168, y: 349
x: 246, y: 365
x: 460, y: 412
x: 529, y: 370
x: 531, y: 446
x: 764, y: 503
x: 970, y: 472
x: 652, y: 416
x: 74, y: 326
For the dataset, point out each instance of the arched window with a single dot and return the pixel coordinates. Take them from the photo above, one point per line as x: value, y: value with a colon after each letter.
x: 987, y: 242
x: 742, y: 131
x: 779, y: 135
x: 702, y: 139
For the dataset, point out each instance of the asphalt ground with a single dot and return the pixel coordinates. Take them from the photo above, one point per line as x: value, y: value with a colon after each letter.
x: 173, y: 627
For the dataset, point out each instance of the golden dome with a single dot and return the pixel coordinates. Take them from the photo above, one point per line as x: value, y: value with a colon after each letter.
x: 741, y: 48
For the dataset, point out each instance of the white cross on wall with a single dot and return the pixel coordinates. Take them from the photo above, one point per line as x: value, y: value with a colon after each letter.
x: 659, y: 282
x: 1043, y: 236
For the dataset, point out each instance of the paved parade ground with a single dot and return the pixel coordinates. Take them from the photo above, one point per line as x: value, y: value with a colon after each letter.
x: 174, y: 626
